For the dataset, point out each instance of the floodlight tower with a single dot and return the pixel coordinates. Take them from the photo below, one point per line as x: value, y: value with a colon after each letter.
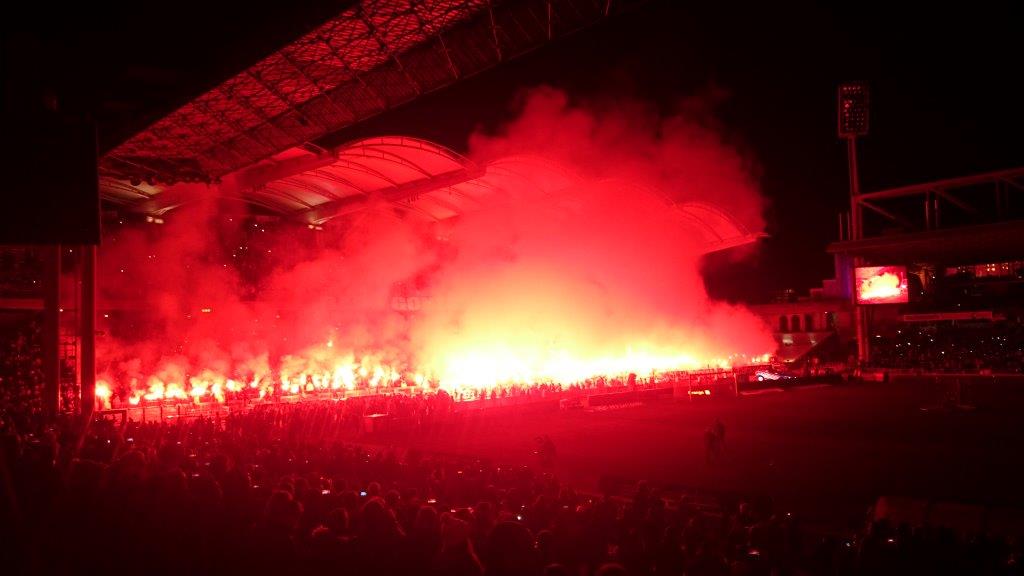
x: 853, y: 122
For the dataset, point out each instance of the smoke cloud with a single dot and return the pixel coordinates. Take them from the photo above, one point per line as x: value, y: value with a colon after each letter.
x: 578, y: 267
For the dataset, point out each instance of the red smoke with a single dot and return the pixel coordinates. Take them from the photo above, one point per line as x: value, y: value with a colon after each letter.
x: 578, y: 269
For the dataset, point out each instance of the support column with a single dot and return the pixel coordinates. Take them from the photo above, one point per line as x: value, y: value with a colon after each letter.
x: 857, y: 233
x: 87, y: 316
x: 51, y: 331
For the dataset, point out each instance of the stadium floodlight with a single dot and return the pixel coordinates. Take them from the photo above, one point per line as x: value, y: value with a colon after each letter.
x: 853, y: 110
x: 853, y: 122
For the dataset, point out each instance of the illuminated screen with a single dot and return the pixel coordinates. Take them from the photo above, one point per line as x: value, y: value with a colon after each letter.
x: 881, y: 284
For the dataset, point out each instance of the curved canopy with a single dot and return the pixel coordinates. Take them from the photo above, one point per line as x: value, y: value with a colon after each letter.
x: 414, y: 176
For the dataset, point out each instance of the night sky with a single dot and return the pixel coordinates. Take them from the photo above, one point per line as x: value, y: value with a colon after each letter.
x: 946, y: 96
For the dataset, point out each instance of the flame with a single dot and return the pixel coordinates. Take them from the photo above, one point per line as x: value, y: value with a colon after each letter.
x: 466, y: 374
x: 103, y: 394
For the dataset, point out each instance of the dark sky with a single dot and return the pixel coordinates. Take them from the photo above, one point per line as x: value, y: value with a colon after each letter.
x: 946, y: 91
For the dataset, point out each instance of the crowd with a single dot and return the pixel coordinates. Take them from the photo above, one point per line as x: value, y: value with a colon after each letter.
x: 20, y: 272
x: 21, y: 371
x: 885, y: 548
x: 398, y: 399
x: 988, y: 346
x: 278, y: 491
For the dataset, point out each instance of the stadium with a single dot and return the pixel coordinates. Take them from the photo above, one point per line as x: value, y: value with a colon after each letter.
x: 510, y: 287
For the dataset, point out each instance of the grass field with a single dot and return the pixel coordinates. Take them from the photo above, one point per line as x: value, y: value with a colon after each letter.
x: 824, y: 452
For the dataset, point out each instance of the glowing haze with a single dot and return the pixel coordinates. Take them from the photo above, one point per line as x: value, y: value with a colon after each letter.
x: 582, y: 270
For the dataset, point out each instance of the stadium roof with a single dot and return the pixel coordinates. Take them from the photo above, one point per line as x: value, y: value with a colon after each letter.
x: 992, y: 242
x: 373, y: 56
x: 975, y: 218
x: 413, y: 176
x: 256, y: 133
